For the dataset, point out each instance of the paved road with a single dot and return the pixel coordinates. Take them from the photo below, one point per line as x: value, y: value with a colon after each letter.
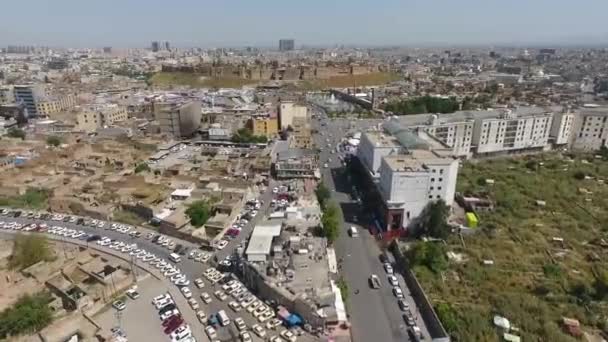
x: 374, y: 314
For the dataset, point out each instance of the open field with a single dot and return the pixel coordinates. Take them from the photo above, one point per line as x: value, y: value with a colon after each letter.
x: 196, y: 81
x: 536, y: 278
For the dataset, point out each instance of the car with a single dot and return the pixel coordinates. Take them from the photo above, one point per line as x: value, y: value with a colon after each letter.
x: 173, y: 324
x: 388, y: 268
x: 245, y: 336
x: 221, y: 244
x: 253, y: 306
x: 258, y: 330
x: 409, y: 320
x: 132, y: 293
x: 181, y: 333
x: 221, y: 295
x: 160, y: 298
x: 210, y: 331
x: 199, y: 283
x: 288, y: 336
x: 182, y: 281
x: 273, y: 323
x: 236, y: 307
x: 403, y: 305
x: 168, y: 314
x: 119, y: 305
x: 240, y: 324
x: 266, y: 316
x: 186, y: 292
x: 393, y: 280
x: 398, y: 292
x: 193, y: 304
x: 374, y: 281
x: 275, y: 339
x: 206, y: 298
x: 202, y: 317
x: 171, y: 319
x: 170, y: 306
x: 275, y: 190
x: 162, y: 304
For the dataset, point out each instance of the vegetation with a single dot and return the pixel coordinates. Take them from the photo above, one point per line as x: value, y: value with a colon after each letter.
x: 196, y: 80
x: 323, y: 194
x: 127, y: 217
x: 53, y: 140
x: 330, y: 222
x: 16, y: 133
x: 423, y: 104
x: 29, y: 250
x: 534, y: 280
x: 32, y: 199
x: 142, y: 167
x: 434, y: 222
x: 245, y: 135
x: 31, y: 313
x: 343, y: 286
x: 199, y: 213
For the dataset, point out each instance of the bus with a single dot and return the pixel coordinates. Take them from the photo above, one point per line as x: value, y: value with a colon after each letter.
x: 223, y: 318
x: 175, y: 257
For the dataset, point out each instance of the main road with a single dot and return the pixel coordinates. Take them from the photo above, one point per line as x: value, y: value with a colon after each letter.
x: 374, y: 314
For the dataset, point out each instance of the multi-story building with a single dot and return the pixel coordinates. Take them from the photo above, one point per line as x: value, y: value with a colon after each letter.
x: 409, y: 182
x: 6, y: 95
x: 375, y: 145
x: 286, y: 45
x: 266, y: 126
x: 88, y: 121
x: 29, y: 95
x: 98, y: 116
x: 179, y: 118
x: 561, y: 128
x: 590, y: 128
x: 50, y: 105
x: 288, y: 111
x: 301, y: 136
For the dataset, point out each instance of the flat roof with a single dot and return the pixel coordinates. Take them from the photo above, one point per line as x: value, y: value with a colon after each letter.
x: 259, y: 244
x: 379, y: 139
x: 416, y: 160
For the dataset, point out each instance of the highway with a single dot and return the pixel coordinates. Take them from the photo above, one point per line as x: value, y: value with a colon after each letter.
x: 374, y: 314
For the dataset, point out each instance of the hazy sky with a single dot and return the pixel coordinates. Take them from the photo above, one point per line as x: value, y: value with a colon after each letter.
x: 135, y: 23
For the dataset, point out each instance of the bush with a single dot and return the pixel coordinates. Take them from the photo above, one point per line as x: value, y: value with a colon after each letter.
x: 580, y: 175
x: 33, y: 198
x: 29, y: 315
x: 199, y: 212
x: 245, y: 135
x: 16, y: 133
x: 29, y: 250
x: 424, y: 104
x: 323, y: 194
x: 141, y: 167
x: 429, y: 254
x: 331, y: 223
x: 53, y: 140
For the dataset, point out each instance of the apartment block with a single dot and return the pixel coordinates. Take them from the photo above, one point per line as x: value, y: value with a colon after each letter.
x: 179, y: 118
x: 409, y: 182
x: 288, y: 111
x: 373, y: 146
x: 590, y: 128
x: 301, y: 136
x: 88, y: 121
x: 50, y: 105
x: 6, y: 95
x: 268, y: 127
x: 561, y: 128
x: 29, y: 95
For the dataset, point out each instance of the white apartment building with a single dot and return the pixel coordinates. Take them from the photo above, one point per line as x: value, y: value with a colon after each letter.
x: 375, y: 145
x: 288, y: 111
x: 561, y: 128
x: 590, y: 128
x: 408, y: 182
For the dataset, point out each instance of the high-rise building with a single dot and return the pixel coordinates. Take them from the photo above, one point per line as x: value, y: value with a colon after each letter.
x: 167, y: 46
x: 155, y: 46
x: 107, y: 49
x: 179, y: 118
x: 286, y: 45
x: 29, y: 95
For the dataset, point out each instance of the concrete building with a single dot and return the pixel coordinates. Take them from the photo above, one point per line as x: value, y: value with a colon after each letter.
x: 267, y: 126
x: 301, y: 136
x: 50, y: 105
x: 179, y: 118
x: 288, y: 111
x: 590, y: 128
x: 29, y: 95
x: 98, y: 116
x: 374, y: 146
x: 561, y: 128
x: 296, y: 163
x: 286, y: 45
x: 6, y: 95
x: 88, y: 121
x: 409, y: 182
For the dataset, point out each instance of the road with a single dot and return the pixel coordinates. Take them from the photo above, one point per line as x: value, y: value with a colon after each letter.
x: 190, y: 268
x: 374, y: 314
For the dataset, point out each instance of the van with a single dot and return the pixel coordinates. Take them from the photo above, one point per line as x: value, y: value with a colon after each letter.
x: 353, y: 231
x: 175, y: 257
x: 223, y: 318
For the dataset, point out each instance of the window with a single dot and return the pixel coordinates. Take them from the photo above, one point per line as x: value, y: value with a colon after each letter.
x: 441, y: 179
x: 441, y: 171
x: 432, y: 179
x: 432, y: 188
x: 438, y: 197
x: 438, y: 188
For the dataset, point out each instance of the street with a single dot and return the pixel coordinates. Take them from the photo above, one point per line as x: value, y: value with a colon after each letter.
x: 374, y: 314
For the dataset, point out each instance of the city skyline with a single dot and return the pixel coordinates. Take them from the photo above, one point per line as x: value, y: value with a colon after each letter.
x: 135, y: 23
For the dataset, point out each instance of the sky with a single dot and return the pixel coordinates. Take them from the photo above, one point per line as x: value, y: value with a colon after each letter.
x: 189, y: 23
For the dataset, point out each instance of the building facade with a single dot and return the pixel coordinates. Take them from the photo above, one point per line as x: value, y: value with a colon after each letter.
x: 178, y: 118
x: 29, y: 95
x: 268, y: 127
x: 287, y: 45
x: 48, y: 106
x: 590, y: 128
x: 288, y: 111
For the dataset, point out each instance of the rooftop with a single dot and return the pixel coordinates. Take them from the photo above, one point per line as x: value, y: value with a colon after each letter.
x: 415, y: 161
x: 379, y: 139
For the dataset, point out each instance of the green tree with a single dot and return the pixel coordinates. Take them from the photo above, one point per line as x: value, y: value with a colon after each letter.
x: 331, y: 222
x: 29, y: 250
x: 430, y: 255
x: 434, y: 220
x: 16, y: 133
x: 30, y: 314
x: 245, y: 135
x: 141, y: 167
x: 198, y: 212
x: 323, y: 194
x: 53, y: 140
x: 447, y: 315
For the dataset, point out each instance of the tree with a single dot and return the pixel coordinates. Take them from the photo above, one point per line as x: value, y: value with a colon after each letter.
x: 245, y: 135
x: 53, y: 140
x: 331, y: 222
x: 434, y: 220
x: 29, y: 250
x: 323, y: 194
x: 141, y: 167
x: 16, y: 133
x: 430, y: 255
x: 199, y: 212
x: 30, y: 314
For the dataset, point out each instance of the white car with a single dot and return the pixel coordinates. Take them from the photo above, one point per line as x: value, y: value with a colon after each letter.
x: 199, y: 283
x: 240, y: 324
x: 168, y: 314
x: 258, y: 330
x: 193, y: 303
x: 186, y: 292
x: 181, y: 333
x: 388, y: 268
x: 393, y: 280
x: 220, y: 295
x: 210, y: 332
x: 236, y: 307
x: 398, y: 292
x: 288, y: 336
x: 221, y: 244
x: 202, y: 317
x: 273, y: 323
x: 206, y: 298
x: 245, y: 336
x: 266, y: 316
